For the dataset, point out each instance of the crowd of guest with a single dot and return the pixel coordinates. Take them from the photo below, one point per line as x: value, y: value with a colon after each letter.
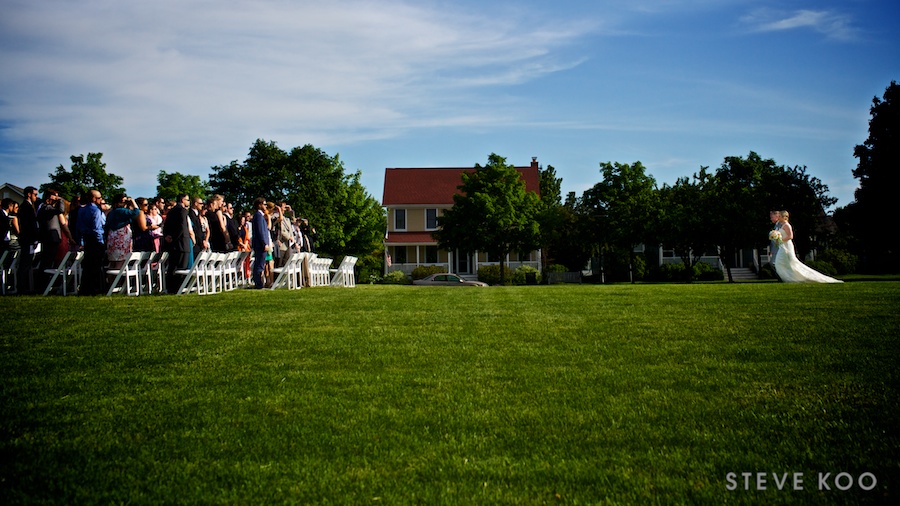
x: 45, y: 230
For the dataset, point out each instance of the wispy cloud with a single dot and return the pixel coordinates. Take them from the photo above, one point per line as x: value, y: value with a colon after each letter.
x: 833, y: 25
x: 145, y: 76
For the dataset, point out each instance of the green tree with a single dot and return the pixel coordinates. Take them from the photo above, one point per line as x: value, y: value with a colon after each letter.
x: 862, y: 221
x: 347, y: 219
x: 570, y: 234
x: 622, y: 209
x: 175, y: 183
x: 744, y: 190
x: 84, y: 175
x: 493, y: 213
x: 682, y: 220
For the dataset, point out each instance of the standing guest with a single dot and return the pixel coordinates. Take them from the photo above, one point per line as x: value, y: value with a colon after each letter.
x: 177, y: 240
x: 12, y: 211
x: 124, y: 214
x: 6, y: 208
x: 54, y: 230
x: 197, y: 233
x: 143, y: 239
x: 90, y: 229
x: 161, y: 205
x: 74, y: 207
x: 244, y: 236
x: 29, y: 235
x: 204, y: 228
x: 231, y: 225
x: 219, y: 239
x: 156, y: 224
x: 309, y: 236
x: 261, y: 241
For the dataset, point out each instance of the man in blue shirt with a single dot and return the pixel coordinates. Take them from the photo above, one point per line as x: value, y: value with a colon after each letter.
x: 260, y: 240
x: 91, y: 222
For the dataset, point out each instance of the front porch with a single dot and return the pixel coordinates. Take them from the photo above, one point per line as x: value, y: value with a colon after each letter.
x: 406, y: 257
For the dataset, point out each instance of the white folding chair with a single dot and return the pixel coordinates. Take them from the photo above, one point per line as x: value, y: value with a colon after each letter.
x: 286, y: 274
x: 129, y: 275
x: 153, y: 272
x: 194, y: 278
x: 11, y: 273
x: 214, y: 273
x: 65, y: 270
x: 321, y: 272
x: 343, y: 275
x: 230, y: 270
x: 243, y: 278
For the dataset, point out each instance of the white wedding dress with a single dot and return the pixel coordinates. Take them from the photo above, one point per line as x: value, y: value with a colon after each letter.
x: 791, y: 270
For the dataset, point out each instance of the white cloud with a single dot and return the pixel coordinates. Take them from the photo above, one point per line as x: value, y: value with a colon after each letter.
x: 831, y: 24
x: 202, y: 76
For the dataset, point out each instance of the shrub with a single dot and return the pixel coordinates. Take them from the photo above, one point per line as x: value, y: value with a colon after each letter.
x: 423, y: 271
x: 520, y: 277
x: 842, y: 261
x: 669, y: 273
x: 490, y: 274
x: 823, y: 267
x: 556, y: 268
x: 617, y: 267
x: 706, y: 272
x: 396, y: 278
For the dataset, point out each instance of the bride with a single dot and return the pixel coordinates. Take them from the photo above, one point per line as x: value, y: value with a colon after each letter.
x: 789, y: 268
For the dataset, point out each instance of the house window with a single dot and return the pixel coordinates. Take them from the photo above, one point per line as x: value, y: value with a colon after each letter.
x: 493, y: 257
x: 399, y: 219
x: 431, y: 254
x: 399, y: 255
x: 431, y: 219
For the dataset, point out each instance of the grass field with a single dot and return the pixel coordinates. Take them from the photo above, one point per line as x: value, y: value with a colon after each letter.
x: 622, y: 394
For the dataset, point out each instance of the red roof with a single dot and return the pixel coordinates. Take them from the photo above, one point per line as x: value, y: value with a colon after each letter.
x: 409, y: 238
x: 436, y: 186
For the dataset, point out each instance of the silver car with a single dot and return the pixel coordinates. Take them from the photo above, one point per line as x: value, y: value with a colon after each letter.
x: 446, y: 279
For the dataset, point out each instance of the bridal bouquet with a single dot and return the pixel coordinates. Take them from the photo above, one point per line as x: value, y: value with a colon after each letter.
x: 775, y: 236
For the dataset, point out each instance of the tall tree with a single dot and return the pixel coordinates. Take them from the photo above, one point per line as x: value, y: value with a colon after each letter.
x: 744, y: 190
x: 682, y: 220
x: 878, y: 172
x: 175, y: 183
x: 623, y: 207
x: 348, y: 220
x: 493, y: 213
x: 84, y: 175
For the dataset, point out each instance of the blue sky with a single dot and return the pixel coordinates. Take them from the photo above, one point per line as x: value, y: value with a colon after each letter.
x: 184, y: 85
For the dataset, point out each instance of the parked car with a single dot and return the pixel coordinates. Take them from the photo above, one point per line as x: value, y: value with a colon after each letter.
x: 446, y: 279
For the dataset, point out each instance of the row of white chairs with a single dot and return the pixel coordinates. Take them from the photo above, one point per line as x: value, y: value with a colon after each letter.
x: 214, y: 273
x: 145, y: 273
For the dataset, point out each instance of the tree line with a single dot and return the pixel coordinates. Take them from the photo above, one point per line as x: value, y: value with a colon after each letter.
x: 717, y: 211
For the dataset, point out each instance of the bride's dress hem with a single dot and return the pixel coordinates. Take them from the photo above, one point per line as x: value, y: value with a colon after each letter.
x: 791, y: 270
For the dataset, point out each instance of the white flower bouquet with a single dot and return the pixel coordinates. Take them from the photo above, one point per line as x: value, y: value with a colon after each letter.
x: 776, y: 237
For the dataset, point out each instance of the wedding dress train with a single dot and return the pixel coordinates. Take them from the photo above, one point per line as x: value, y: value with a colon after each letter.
x: 791, y: 270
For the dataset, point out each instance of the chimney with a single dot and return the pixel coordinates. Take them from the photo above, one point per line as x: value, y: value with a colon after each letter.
x: 534, y: 164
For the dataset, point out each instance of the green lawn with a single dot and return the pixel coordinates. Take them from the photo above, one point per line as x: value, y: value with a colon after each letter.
x: 578, y: 394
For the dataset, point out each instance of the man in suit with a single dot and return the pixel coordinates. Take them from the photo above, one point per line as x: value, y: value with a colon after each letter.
x: 775, y: 217
x: 177, y: 240
x: 261, y: 242
x: 200, y: 242
x: 28, y: 238
x: 89, y: 227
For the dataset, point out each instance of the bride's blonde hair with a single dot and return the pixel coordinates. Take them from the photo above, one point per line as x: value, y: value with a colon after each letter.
x: 785, y: 215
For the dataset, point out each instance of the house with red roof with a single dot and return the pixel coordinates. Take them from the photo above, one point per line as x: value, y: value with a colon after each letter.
x: 414, y: 198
